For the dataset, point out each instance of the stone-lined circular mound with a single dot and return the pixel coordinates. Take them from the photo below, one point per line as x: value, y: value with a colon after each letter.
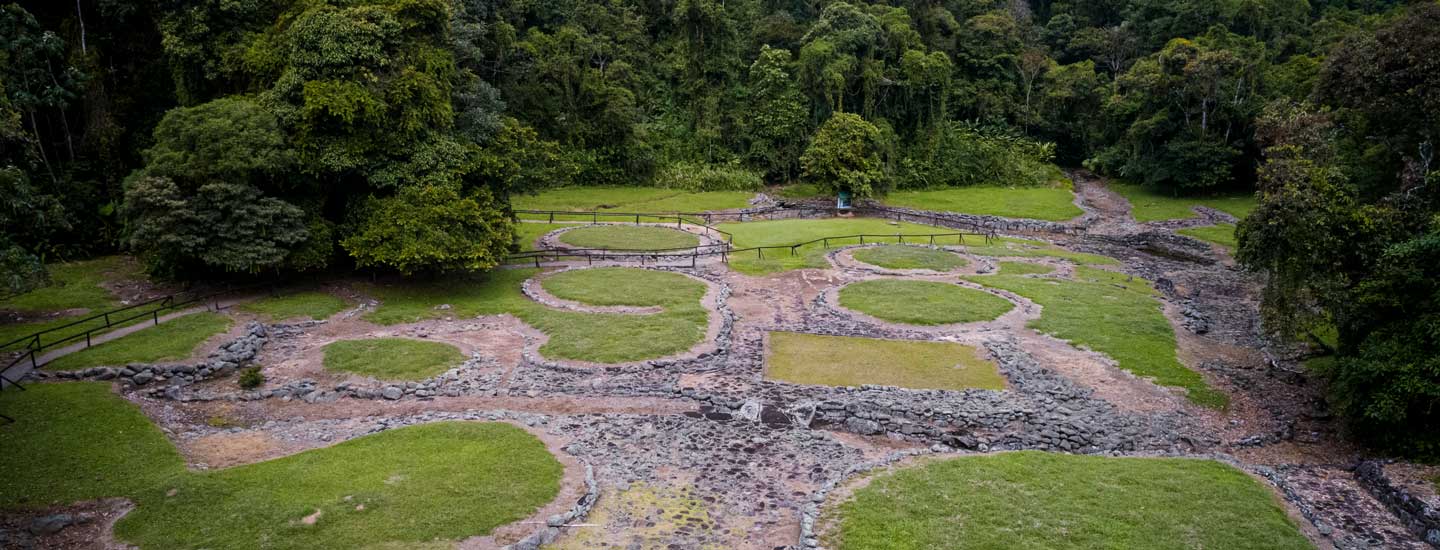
x: 628, y: 237
x: 392, y: 358
x: 1054, y: 501
x: 922, y: 302
x: 910, y: 257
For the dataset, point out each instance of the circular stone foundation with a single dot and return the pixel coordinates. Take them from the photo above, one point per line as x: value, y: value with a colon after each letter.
x: 925, y: 303
x: 629, y: 237
x: 903, y: 257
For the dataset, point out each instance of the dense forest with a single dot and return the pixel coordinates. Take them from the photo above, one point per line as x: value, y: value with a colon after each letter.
x: 250, y: 136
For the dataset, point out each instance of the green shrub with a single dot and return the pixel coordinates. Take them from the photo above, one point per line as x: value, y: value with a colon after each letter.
x: 250, y: 378
x: 708, y: 177
x: 966, y: 154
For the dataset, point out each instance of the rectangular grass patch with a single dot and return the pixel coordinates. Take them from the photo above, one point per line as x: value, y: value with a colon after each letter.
x: 849, y: 361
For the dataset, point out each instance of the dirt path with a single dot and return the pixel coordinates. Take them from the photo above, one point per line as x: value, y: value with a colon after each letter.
x: 679, y: 462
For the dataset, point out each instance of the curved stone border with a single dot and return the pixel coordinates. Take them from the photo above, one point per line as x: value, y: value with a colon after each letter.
x: 1022, y: 310
x: 223, y: 362
x: 552, y: 240
x: 844, y: 259
x: 810, y: 513
x: 717, y: 338
x: 533, y: 289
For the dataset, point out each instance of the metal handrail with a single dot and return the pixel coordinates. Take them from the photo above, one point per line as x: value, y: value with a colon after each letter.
x: 557, y: 254
x: 34, y: 345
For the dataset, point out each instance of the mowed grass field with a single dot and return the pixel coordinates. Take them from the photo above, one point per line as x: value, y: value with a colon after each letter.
x: 1222, y: 234
x: 631, y: 237
x: 1038, y: 203
x: 314, y: 305
x: 75, y: 288
x: 847, y: 361
x: 1113, y: 314
x: 596, y: 337
x: 789, y: 232
x: 395, y: 489
x: 922, y: 302
x: 392, y: 358
x: 910, y: 257
x: 1035, y: 500
x: 1147, y: 205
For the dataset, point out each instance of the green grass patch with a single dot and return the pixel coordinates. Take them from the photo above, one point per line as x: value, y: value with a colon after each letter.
x: 399, y: 488
x: 1024, y: 268
x: 922, y: 302
x: 651, y: 200
x: 1223, y: 234
x: 411, y: 485
x: 392, y: 358
x: 1008, y: 247
x: 1147, y: 204
x: 632, y: 237
x: 848, y: 361
x: 597, y: 337
x: 78, y: 441
x: 73, y: 285
x: 910, y: 257
x: 1116, y: 315
x: 1036, y: 203
x: 1032, y: 499
x: 527, y: 233
x: 307, y: 305
x: 169, y: 341
x: 788, y: 232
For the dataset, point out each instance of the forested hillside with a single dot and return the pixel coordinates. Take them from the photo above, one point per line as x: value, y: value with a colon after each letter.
x: 279, y: 136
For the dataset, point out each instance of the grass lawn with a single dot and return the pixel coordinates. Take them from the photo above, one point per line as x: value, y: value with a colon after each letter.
x: 652, y: 200
x: 847, y: 361
x: 1115, y: 315
x: 1007, y: 247
x: 527, y: 233
x: 632, y: 237
x: 169, y: 341
x: 1035, y: 500
x: 1037, y: 203
x: 787, y: 232
x: 392, y: 358
x: 78, y: 441
x: 397, y: 488
x: 910, y: 257
x: 1149, y: 205
x: 73, y: 285
x: 1223, y: 234
x: 300, y: 305
x: 1024, y: 268
x: 922, y: 302
x: 412, y: 485
x: 597, y: 337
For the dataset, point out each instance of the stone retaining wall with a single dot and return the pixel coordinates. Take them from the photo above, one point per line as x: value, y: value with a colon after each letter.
x: 166, y: 381
x: 1418, y: 516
